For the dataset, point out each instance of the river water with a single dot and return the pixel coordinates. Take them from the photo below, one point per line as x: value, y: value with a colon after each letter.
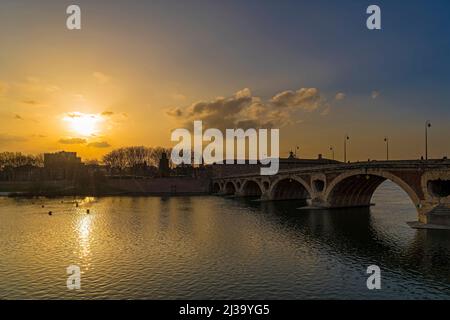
x: 218, y: 248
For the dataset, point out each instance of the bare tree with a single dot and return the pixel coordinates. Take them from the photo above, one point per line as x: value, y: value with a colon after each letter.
x: 129, y: 157
x: 17, y: 159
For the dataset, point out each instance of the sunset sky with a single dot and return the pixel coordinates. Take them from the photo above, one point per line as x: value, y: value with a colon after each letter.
x: 138, y: 69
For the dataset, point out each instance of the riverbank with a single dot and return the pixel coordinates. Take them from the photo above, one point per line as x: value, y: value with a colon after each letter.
x: 173, y: 186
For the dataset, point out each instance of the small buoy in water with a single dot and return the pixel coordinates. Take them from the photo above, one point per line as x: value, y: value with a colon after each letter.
x: 76, y: 204
x: 50, y: 213
x: 43, y: 206
x: 87, y: 211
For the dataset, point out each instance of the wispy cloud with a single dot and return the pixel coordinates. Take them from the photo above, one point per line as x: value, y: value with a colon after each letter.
x: 307, y: 99
x: 37, y: 86
x: 72, y: 141
x: 7, y: 138
x: 30, y: 102
x: 326, y: 111
x: 178, y: 97
x: 99, y: 144
x: 101, y: 77
x: 375, y: 94
x: 339, y: 96
x: 107, y: 113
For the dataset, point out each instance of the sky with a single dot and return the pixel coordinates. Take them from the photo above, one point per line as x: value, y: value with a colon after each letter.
x: 139, y: 69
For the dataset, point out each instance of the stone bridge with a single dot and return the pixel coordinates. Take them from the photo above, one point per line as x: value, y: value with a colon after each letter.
x: 427, y: 183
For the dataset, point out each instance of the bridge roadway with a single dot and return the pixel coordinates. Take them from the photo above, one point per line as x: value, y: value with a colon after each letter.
x: 427, y: 183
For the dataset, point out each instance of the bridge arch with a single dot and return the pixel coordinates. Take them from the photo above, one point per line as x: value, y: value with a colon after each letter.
x: 356, y: 188
x: 216, y: 187
x: 251, y: 188
x: 289, y: 188
x: 230, y: 188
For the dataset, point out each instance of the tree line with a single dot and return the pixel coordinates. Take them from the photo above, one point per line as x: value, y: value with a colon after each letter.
x: 121, y: 158
x: 129, y: 157
x: 18, y: 159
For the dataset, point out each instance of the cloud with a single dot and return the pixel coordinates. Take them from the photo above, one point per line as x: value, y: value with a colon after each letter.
x: 30, y: 102
x: 34, y: 85
x: 307, y: 99
x: 339, y: 96
x: 18, y: 117
x: 178, y: 97
x: 326, y: 111
x: 72, y: 141
x: 7, y: 138
x: 101, y: 77
x: 375, y: 94
x: 243, y: 110
x: 32, y: 92
x: 244, y: 93
x: 99, y: 144
x: 174, y: 112
x: 107, y: 113
x: 74, y: 115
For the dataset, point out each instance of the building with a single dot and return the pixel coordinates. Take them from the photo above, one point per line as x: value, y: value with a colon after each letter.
x: 61, y: 165
x: 163, y: 167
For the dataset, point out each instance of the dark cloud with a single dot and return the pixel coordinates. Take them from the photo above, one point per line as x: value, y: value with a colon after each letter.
x: 99, y: 144
x: 174, y: 112
x: 74, y: 115
x: 18, y: 117
x: 107, y: 113
x: 72, y: 141
x: 30, y: 102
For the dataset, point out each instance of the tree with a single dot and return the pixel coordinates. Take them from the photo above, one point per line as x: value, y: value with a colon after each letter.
x: 129, y: 157
x: 17, y: 159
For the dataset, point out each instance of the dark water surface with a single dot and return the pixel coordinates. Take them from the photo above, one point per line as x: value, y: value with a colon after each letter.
x: 211, y: 247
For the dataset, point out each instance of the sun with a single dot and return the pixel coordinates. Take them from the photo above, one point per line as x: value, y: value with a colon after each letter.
x: 83, y: 124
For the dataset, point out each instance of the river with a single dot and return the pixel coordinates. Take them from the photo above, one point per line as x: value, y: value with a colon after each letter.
x: 211, y: 247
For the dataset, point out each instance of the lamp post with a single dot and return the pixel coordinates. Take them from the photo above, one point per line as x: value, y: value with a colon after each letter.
x: 332, y: 151
x: 345, y: 147
x: 386, y: 139
x: 427, y: 125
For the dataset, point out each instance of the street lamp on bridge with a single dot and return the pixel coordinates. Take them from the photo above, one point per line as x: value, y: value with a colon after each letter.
x: 332, y: 151
x: 427, y: 125
x: 386, y: 139
x: 345, y: 147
